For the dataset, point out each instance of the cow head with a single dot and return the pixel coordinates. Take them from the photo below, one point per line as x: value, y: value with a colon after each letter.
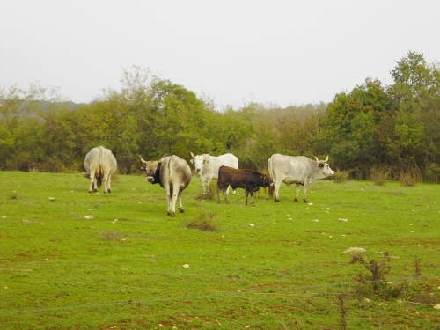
x: 324, y: 168
x: 198, y: 162
x: 265, y: 180
x: 150, y: 167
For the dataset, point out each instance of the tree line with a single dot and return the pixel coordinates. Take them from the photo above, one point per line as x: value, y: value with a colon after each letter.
x: 392, y: 126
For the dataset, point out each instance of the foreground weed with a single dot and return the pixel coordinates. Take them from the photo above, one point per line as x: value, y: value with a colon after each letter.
x: 204, y: 222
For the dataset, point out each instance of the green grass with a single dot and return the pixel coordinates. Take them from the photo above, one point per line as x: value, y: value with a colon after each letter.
x: 73, y: 260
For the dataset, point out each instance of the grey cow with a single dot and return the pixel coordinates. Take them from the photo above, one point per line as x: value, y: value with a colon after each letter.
x: 100, y: 164
x: 299, y: 170
x: 173, y: 174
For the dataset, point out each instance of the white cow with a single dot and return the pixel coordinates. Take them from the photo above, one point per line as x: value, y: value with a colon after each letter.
x: 299, y: 170
x: 100, y: 164
x: 207, y: 167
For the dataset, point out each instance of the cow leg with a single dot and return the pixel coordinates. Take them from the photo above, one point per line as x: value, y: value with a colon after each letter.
x: 298, y: 188
x: 180, y: 203
x: 277, y: 186
x: 225, y: 196
x: 218, y: 194
x: 169, y: 200
x: 175, y: 191
x: 205, y: 187
x: 305, y: 194
x: 106, y: 180
x: 92, y: 187
x: 108, y: 183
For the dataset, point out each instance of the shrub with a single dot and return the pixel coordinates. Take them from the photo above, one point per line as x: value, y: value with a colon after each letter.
x: 204, y: 222
x: 409, y: 179
x: 410, y: 174
x: 340, y: 176
x: 380, y: 175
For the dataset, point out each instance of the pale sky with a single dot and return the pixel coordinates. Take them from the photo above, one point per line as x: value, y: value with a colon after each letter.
x: 233, y: 52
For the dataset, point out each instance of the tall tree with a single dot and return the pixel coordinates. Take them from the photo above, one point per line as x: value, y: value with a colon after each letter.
x: 416, y: 95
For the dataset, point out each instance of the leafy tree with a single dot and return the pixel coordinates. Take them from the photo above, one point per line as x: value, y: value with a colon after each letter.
x: 416, y: 96
x: 354, y: 131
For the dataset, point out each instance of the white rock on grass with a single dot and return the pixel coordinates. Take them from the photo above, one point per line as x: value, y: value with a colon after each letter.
x: 355, y: 250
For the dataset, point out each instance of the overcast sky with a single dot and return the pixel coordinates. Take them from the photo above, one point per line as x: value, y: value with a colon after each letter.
x: 277, y: 52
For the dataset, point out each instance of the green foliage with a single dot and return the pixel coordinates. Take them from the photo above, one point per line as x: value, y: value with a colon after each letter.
x: 373, y: 125
x: 351, y: 126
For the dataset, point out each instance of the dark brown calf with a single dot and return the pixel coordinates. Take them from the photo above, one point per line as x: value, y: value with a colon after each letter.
x: 250, y: 180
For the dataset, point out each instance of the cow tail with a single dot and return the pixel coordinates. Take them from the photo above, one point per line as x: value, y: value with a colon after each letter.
x: 100, y: 174
x: 270, y: 168
x: 170, y: 176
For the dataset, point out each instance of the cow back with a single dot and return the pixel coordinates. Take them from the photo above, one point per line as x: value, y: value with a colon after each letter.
x: 100, y: 158
x: 174, y: 169
x: 212, y: 164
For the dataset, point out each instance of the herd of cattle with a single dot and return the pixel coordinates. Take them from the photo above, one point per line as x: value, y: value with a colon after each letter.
x: 174, y: 174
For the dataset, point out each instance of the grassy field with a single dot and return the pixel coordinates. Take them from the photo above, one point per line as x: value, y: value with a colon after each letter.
x: 73, y: 260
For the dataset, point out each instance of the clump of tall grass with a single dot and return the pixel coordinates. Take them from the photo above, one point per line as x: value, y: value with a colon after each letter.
x: 410, y: 177
x: 340, y: 176
x: 203, y: 222
x: 409, y: 174
x: 380, y: 175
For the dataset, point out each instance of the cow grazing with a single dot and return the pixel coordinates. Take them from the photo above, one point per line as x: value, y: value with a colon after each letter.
x: 250, y: 180
x: 172, y: 173
x: 299, y: 170
x: 207, y: 167
x: 100, y: 164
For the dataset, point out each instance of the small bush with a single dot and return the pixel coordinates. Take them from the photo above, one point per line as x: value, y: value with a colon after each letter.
x: 408, y: 179
x: 204, y: 222
x: 374, y: 283
x: 111, y: 236
x: 410, y: 174
x: 340, y: 177
x: 380, y: 175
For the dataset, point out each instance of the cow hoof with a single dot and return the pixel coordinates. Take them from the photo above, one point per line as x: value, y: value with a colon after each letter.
x: 171, y: 214
x: 295, y: 200
x: 277, y: 200
x: 306, y: 201
x: 182, y: 210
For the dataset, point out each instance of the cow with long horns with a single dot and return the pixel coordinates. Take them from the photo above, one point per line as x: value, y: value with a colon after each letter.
x: 299, y: 170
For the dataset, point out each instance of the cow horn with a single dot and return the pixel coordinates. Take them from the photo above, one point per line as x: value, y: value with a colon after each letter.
x: 326, y: 159
x: 192, y: 155
x: 143, y: 160
x: 317, y: 159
